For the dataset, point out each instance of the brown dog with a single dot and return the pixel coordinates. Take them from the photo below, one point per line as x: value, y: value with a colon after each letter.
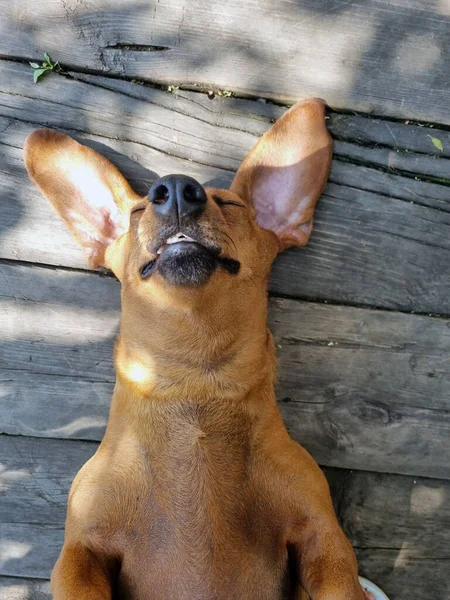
x: 197, y: 491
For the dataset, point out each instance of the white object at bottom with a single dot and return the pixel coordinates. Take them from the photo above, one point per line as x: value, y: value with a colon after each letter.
x: 371, y: 587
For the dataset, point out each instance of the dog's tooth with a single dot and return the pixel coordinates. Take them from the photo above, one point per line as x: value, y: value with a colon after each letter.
x: 179, y: 237
x: 174, y: 239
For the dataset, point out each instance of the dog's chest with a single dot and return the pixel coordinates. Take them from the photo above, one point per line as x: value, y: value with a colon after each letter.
x: 203, y: 539
x: 191, y: 522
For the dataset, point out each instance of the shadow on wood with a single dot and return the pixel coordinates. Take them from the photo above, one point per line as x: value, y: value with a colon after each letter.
x: 392, y: 63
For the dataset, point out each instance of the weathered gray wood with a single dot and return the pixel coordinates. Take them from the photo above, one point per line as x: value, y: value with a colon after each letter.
x: 391, y: 185
x: 359, y: 388
x: 433, y: 166
x: 36, y: 475
x: 30, y: 550
x: 254, y: 117
x: 378, y: 56
x: 398, y: 525
x: 361, y: 220
x: 185, y: 125
x: 404, y: 576
x: 58, y: 322
x: 17, y: 588
x: 351, y: 380
x: 35, y: 480
x: 395, y: 351
x: 409, y: 514
x: 382, y: 252
x: 53, y: 406
x: 391, y: 134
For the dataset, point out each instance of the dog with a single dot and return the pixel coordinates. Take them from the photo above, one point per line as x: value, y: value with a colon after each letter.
x: 197, y: 492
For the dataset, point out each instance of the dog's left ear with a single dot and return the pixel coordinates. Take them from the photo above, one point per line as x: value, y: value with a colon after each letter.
x: 286, y: 172
x: 89, y: 193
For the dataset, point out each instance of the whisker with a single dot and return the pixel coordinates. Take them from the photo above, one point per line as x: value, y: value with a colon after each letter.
x: 125, y: 289
x: 231, y: 239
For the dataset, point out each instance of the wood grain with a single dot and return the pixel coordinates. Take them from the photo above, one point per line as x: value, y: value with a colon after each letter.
x: 359, y: 388
x: 399, y: 529
x: 381, y: 57
x: 18, y: 588
x: 397, y: 524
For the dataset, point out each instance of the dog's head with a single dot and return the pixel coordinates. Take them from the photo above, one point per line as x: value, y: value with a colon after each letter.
x: 182, y: 234
x: 183, y: 245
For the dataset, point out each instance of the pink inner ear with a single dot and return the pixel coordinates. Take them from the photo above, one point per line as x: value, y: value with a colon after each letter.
x: 284, y: 197
x: 285, y: 173
x: 89, y: 209
x: 272, y: 194
x: 94, y: 234
x: 85, y: 188
x: 93, y: 212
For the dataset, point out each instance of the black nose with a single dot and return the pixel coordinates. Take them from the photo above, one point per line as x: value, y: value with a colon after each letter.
x: 177, y: 196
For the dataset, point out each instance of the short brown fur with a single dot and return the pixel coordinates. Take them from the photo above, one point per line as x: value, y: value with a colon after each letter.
x: 197, y: 490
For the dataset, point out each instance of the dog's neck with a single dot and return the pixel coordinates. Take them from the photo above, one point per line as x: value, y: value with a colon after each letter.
x: 195, y: 350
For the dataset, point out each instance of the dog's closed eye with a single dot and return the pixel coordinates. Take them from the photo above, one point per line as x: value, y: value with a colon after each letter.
x: 139, y: 208
x: 221, y: 202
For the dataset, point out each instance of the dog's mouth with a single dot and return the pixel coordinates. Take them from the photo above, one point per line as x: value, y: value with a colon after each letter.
x: 182, y: 238
x: 186, y: 260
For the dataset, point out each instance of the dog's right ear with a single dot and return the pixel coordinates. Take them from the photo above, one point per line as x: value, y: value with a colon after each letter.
x: 286, y: 172
x: 86, y: 189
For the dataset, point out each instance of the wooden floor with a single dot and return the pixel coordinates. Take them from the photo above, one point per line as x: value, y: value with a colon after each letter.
x: 360, y: 316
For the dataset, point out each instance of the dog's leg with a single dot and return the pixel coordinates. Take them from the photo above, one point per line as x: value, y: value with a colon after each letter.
x: 326, y: 562
x: 302, y: 595
x: 80, y: 575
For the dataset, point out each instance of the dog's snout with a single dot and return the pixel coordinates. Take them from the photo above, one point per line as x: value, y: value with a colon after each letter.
x: 177, y: 196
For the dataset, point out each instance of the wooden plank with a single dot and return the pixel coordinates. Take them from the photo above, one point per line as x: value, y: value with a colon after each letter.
x: 415, y: 520
x: 382, y: 252
x: 403, y: 576
x: 398, y: 524
x: 391, y: 185
x: 185, y: 125
x: 52, y: 406
x: 432, y: 166
x: 362, y: 218
x: 392, y: 134
x: 35, y: 480
x: 379, y: 56
x: 30, y: 550
x: 374, y: 391
x: 17, y: 588
x: 399, y: 527
x: 380, y: 404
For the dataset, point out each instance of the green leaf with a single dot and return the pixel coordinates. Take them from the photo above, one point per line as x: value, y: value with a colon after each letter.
x: 437, y: 143
x: 47, y: 59
x: 37, y: 73
x: 34, y: 65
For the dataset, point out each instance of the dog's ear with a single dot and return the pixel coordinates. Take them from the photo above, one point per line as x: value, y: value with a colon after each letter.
x: 86, y: 189
x: 285, y: 173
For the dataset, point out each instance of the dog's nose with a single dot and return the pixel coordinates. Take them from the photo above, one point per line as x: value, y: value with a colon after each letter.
x: 177, y: 196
